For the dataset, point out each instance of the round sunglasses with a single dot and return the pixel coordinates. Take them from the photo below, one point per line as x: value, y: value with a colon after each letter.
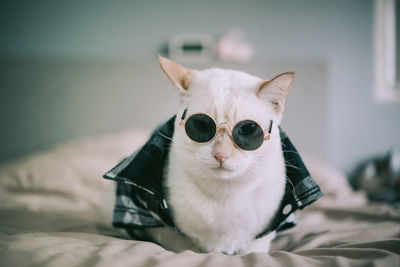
x: 246, y: 135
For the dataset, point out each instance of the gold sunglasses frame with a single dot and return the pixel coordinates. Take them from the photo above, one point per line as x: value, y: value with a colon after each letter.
x: 218, y: 127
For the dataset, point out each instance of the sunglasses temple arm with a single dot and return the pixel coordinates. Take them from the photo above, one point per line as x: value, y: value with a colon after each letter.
x: 268, y: 136
x: 183, y: 117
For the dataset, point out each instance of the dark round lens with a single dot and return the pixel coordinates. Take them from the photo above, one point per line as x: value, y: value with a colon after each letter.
x: 248, y: 135
x: 200, y: 128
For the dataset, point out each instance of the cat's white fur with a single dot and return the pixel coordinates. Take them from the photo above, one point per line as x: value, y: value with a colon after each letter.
x: 223, y: 206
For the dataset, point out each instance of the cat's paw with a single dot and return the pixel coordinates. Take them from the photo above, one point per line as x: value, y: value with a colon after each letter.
x: 262, y: 244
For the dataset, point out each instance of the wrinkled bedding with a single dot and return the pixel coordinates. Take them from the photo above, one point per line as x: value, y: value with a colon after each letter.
x: 55, y: 211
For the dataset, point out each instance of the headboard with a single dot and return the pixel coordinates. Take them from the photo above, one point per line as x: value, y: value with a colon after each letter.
x: 50, y: 101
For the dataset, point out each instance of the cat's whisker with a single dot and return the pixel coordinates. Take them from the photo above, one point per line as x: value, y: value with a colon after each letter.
x: 166, y: 137
x: 201, y: 159
x: 287, y: 164
x: 290, y: 151
x: 252, y: 171
x: 290, y: 182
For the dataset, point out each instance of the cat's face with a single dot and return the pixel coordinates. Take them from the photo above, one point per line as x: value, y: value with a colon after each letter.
x: 228, y: 97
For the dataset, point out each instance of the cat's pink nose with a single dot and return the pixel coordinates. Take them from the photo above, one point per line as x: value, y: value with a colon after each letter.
x: 219, y: 157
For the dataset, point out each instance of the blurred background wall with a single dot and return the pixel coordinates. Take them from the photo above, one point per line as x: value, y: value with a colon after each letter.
x: 70, y: 69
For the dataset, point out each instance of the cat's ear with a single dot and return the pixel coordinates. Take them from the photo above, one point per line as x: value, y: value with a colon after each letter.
x: 276, y: 90
x: 179, y: 75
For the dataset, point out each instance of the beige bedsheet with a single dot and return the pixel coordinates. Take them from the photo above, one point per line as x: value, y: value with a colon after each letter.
x: 53, y: 208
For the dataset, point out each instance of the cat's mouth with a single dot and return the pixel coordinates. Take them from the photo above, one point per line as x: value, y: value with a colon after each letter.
x: 222, y: 167
x: 224, y: 172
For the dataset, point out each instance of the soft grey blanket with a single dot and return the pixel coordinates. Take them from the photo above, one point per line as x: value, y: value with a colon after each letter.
x: 54, y: 212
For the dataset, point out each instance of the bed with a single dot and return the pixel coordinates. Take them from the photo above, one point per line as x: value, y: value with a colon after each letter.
x: 54, y: 206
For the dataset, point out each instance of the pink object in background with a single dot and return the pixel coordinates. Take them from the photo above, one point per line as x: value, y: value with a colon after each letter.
x: 232, y: 47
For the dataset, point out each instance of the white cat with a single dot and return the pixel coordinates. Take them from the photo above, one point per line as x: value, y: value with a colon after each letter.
x: 222, y: 196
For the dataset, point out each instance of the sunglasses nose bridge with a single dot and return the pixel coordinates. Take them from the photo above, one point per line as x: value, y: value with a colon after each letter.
x: 226, y: 129
x: 223, y: 126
